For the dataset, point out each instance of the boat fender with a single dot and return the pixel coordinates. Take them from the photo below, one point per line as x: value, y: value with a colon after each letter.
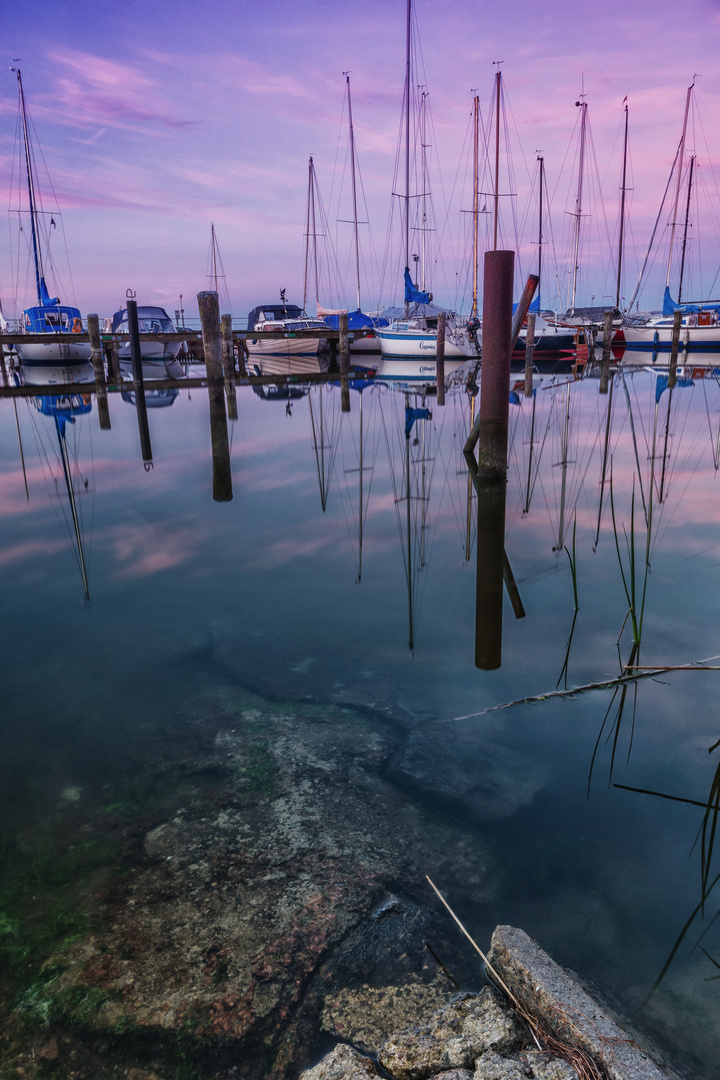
x: 76, y: 326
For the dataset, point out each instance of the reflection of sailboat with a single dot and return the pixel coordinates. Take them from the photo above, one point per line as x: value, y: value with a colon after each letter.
x: 64, y: 408
x: 48, y: 316
x: 154, y: 399
x: 325, y: 438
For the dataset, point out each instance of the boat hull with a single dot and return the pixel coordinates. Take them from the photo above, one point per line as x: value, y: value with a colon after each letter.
x: 420, y: 345
x: 658, y: 338
x: 54, y: 352
x: 407, y: 369
x: 292, y: 364
x: 291, y: 347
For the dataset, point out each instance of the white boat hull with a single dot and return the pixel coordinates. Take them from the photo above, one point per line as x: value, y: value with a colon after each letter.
x: 409, y: 370
x: 274, y: 364
x: 157, y: 352
x: 653, y: 337
x: 421, y: 345
x: 280, y: 347
x: 54, y: 352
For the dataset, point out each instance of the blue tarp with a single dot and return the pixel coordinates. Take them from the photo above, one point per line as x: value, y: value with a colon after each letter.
x: 412, y: 293
x: 357, y: 320
x: 534, y: 307
x: 411, y: 415
x: 670, y: 307
x: 661, y: 385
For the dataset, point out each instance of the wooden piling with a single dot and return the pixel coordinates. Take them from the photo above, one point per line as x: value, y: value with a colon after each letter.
x: 209, y: 309
x: 492, y: 456
x: 606, y: 352
x: 140, y: 404
x: 96, y: 355
x: 228, y: 362
x: 674, y: 347
x: 114, y: 363
x: 344, y: 361
x: 529, y: 355
x: 440, y: 359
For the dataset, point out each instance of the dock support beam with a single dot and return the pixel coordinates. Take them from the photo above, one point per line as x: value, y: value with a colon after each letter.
x: 96, y: 355
x: 209, y: 309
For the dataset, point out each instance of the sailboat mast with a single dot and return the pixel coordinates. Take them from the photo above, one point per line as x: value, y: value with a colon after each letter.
x: 578, y: 201
x: 498, y: 79
x: 314, y: 235
x: 214, y: 256
x: 540, y: 228
x: 685, y: 230
x: 424, y: 190
x: 476, y: 205
x: 681, y: 153
x: 31, y: 191
x: 307, y: 235
x: 622, y: 210
x: 407, y: 143
x: 354, y: 189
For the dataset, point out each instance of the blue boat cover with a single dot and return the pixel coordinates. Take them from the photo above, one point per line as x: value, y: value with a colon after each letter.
x: 357, y: 320
x: 411, y: 415
x: 670, y: 307
x: 412, y: 293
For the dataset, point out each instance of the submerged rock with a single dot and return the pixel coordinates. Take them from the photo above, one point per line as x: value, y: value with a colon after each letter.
x: 475, y: 777
x: 252, y: 921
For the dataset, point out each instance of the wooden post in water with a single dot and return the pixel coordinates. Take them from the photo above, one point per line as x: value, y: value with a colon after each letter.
x: 529, y: 355
x: 209, y: 309
x: 140, y: 404
x: 674, y: 346
x: 228, y: 361
x: 96, y: 355
x: 344, y: 360
x: 492, y: 456
x: 440, y: 359
x: 606, y: 352
x: 114, y: 363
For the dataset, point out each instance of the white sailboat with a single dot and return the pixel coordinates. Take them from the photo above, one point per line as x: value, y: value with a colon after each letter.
x: 409, y: 344
x: 48, y: 315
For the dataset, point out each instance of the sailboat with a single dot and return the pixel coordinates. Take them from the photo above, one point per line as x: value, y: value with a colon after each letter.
x: 700, y: 326
x: 48, y: 316
x: 409, y: 344
x: 290, y: 354
x: 549, y: 338
x: 364, y: 350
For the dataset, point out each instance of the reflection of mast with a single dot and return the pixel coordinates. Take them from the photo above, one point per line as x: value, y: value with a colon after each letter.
x: 60, y: 428
x: 606, y: 452
x: 470, y: 484
x: 323, y: 477
x: 564, y: 464
x: 411, y: 641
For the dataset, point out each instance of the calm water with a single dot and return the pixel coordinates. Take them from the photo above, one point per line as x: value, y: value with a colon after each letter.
x: 275, y: 591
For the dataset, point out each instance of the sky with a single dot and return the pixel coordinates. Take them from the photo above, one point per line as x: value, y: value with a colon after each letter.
x: 156, y: 120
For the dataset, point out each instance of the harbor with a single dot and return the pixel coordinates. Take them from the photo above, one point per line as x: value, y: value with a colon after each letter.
x: 359, y: 438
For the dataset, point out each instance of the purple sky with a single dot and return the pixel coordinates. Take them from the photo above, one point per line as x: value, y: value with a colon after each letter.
x: 157, y: 119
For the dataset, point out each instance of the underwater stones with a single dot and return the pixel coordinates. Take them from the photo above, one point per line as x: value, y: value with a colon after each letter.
x: 342, y: 1063
x: 454, y: 1037
x: 477, y: 778
x: 408, y: 965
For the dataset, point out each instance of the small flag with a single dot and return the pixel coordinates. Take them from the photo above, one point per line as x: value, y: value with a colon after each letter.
x: 52, y: 222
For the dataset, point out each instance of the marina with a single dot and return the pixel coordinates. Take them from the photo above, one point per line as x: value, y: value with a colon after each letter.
x: 360, y: 643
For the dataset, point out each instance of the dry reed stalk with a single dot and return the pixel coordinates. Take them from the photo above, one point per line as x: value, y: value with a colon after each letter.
x: 579, y: 1060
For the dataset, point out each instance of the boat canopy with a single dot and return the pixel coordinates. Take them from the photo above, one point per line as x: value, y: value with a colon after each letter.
x: 273, y: 312
x: 48, y: 318
x: 151, y: 320
x: 357, y: 320
x: 670, y: 307
x: 413, y: 295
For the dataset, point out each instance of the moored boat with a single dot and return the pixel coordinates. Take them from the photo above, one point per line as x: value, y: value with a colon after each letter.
x: 48, y: 316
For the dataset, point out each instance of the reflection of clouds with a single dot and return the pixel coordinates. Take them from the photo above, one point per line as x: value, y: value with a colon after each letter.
x: 142, y: 550
x: 29, y: 549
